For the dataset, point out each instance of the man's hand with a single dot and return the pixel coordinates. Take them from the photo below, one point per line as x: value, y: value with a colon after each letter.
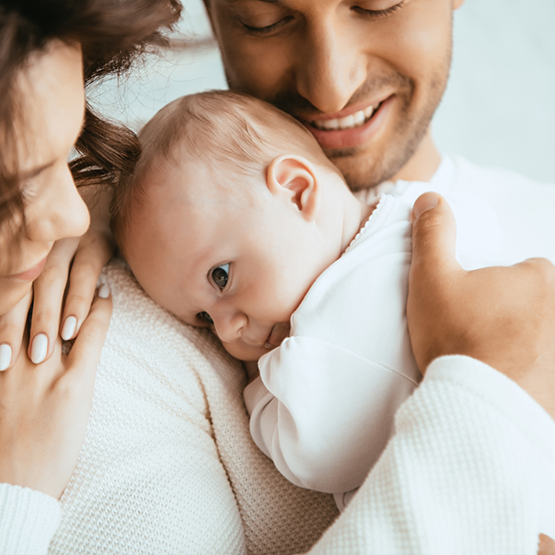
x: 503, y: 316
x: 547, y: 546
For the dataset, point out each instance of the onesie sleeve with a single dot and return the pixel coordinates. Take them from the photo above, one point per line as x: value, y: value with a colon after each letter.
x: 28, y: 520
x: 322, y: 413
x: 469, y: 470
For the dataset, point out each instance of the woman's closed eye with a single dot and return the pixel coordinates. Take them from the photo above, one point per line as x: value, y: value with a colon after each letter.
x: 220, y: 276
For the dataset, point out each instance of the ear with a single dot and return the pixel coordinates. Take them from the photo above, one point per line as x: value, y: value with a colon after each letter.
x: 293, y: 179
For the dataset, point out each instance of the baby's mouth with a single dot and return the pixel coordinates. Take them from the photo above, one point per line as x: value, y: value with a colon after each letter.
x: 278, y: 333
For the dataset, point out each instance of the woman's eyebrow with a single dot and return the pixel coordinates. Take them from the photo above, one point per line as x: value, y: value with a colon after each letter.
x: 36, y: 171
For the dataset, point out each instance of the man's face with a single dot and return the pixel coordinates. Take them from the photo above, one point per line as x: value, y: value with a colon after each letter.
x: 364, y: 76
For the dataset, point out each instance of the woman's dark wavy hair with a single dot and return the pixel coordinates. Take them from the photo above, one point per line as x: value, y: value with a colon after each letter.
x: 112, y: 35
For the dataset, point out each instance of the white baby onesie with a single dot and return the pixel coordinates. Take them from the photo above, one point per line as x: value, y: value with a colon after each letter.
x: 323, y: 408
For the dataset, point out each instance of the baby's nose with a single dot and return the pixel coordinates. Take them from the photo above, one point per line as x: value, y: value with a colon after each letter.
x: 229, y: 326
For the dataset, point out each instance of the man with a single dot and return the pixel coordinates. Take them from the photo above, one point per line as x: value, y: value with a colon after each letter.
x: 150, y: 477
x: 366, y: 78
x: 384, y: 63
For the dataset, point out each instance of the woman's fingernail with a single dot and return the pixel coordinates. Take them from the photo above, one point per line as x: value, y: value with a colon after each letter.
x: 39, y: 348
x: 104, y: 291
x: 69, y: 328
x: 425, y: 202
x: 5, y: 356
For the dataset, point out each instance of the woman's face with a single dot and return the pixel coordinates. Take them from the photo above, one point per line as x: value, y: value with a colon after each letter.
x: 51, y: 98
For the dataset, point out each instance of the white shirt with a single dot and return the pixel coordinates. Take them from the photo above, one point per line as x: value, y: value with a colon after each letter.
x: 323, y: 408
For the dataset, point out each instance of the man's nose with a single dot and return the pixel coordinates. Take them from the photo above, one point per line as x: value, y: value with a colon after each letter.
x: 331, y: 66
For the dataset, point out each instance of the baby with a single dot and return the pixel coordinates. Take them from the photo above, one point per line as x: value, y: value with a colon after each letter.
x: 235, y: 220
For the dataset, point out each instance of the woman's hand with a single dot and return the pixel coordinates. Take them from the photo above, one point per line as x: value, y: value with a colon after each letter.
x: 503, y: 316
x: 44, y: 409
x: 85, y: 257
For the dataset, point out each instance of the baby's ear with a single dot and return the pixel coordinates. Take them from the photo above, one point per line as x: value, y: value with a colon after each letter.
x: 293, y: 179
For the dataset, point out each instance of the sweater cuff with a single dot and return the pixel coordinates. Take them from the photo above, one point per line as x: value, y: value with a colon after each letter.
x: 500, y: 392
x: 252, y: 394
x: 28, y: 520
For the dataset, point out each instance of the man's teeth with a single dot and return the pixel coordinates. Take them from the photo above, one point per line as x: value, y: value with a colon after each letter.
x: 350, y: 122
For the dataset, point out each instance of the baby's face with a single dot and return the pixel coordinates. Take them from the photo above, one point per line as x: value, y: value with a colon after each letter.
x: 238, y: 265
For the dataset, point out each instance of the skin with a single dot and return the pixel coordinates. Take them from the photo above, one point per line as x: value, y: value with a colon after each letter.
x: 44, y: 409
x: 472, y: 313
x: 55, y: 213
x: 198, y: 252
x: 45, y: 147
x: 327, y: 59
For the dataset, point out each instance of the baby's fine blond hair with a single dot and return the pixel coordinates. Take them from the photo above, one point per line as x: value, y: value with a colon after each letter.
x: 228, y: 130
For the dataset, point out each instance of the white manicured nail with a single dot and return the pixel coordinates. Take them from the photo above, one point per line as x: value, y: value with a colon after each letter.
x: 5, y: 356
x: 104, y: 291
x: 39, y: 348
x: 69, y: 327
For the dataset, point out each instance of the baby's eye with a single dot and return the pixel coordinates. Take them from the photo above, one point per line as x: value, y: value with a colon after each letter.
x: 205, y: 317
x: 220, y: 275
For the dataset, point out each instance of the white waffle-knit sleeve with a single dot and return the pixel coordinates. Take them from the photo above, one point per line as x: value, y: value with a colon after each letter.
x: 469, y: 470
x: 323, y: 413
x: 28, y: 520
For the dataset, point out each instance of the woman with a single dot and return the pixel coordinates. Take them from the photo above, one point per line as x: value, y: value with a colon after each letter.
x: 160, y: 485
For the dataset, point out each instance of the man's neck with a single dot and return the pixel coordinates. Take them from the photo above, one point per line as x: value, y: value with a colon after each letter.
x: 423, y: 163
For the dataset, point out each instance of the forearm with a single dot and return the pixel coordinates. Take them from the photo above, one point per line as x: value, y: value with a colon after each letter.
x: 468, y: 471
x: 28, y: 520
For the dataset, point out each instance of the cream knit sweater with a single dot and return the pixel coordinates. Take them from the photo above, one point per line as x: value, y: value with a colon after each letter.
x: 168, y: 465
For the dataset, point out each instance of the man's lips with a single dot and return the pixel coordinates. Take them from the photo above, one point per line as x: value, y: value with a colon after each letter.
x: 351, y: 130
x: 32, y: 274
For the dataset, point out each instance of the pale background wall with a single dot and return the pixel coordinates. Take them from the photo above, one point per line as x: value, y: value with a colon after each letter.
x: 499, y: 108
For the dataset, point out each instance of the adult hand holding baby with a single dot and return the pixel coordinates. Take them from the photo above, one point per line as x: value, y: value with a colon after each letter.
x: 44, y: 409
x: 503, y: 316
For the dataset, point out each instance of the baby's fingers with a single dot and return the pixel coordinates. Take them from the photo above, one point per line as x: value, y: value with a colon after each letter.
x: 12, y: 328
x: 85, y: 354
x: 49, y: 290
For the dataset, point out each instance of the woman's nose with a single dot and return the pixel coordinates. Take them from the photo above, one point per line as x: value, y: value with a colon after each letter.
x: 331, y: 67
x: 58, y: 212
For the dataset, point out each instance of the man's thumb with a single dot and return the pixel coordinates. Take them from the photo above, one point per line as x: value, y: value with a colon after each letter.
x: 434, y: 233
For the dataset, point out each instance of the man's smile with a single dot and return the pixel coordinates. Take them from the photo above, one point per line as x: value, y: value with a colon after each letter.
x: 350, y: 128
